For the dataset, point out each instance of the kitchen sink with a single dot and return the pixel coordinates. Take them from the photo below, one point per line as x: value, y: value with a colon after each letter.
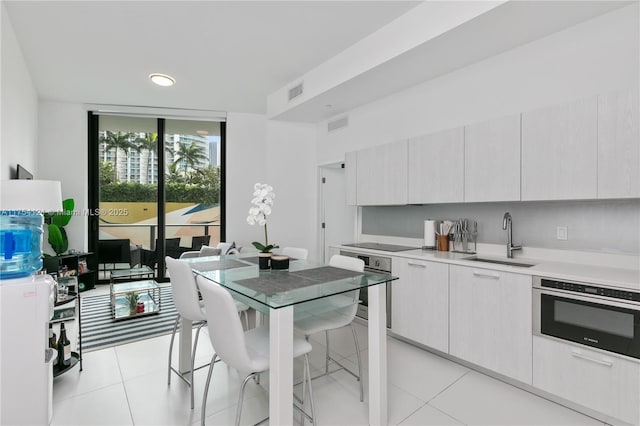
x: 500, y: 261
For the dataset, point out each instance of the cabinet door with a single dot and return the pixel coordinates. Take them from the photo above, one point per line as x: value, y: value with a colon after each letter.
x: 604, y: 383
x: 559, y: 152
x: 490, y: 320
x: 382, y: 175
x: 618, y: 145
x: 420, y: 302
x: 436, y: 167
x: 351, y: 177
x: 492, y: 160
x: 331, y: 251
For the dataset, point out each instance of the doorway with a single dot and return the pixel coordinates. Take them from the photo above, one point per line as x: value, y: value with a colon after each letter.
x: 338, y: 219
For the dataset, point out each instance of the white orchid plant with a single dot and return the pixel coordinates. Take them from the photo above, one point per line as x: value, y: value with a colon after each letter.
x: 262, y: 201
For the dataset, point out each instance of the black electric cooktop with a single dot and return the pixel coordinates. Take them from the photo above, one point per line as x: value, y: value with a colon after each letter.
x: 381, y: 247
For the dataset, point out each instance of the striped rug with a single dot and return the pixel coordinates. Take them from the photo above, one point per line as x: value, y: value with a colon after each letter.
x: 100, y: 331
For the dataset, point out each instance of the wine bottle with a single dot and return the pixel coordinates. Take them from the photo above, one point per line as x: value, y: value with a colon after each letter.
x: 52, y: 339
x: 64, y: 348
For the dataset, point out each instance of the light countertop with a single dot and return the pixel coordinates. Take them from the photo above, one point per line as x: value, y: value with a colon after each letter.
x: 586, y: 273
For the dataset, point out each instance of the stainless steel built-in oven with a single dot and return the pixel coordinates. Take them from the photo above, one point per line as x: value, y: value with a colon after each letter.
x: 372, y: 263
x: 602, y: 317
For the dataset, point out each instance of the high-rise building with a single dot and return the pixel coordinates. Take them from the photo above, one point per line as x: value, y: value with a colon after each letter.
x: 142, y: 165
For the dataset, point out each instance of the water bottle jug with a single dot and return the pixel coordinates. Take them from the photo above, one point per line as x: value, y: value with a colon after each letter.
x: 20, y: 243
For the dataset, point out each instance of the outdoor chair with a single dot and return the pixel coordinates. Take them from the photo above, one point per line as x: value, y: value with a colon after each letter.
x: 172, y: 249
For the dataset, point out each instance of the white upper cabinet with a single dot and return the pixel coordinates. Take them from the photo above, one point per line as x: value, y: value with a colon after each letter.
x: 436, y: 167
x: 559, y: 152
x: 351, y: 177
x: 618, y: 145
x: 382, y: 174
x: 492, y: 160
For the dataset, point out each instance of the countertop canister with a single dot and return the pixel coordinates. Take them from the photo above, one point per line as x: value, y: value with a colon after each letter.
x: 429, y: 234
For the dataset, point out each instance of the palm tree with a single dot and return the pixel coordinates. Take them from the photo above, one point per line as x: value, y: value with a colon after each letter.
x: 118, y: 140
x: 190, y: 156
x: 148, y: 143
x: 173, y: 176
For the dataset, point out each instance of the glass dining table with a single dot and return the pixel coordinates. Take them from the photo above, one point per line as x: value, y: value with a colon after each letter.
x: 305, y: 288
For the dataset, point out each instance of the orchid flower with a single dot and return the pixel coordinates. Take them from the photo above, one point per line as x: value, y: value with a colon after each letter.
x: 262, y: 201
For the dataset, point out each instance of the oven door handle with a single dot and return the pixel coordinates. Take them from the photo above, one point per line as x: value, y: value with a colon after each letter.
x: 578, y: 354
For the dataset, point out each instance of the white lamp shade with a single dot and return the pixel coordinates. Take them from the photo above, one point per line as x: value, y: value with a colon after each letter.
x: 31, y: 195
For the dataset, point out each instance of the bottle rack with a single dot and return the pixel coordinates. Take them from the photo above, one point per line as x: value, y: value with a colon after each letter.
x: 63, y: 311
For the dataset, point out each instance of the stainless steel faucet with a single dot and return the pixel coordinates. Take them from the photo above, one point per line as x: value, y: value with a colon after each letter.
x: 507, y: 225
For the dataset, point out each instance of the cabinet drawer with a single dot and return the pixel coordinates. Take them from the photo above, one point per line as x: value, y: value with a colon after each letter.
x: 604, y: 383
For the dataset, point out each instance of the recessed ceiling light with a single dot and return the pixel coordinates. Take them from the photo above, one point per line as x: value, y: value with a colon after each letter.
x: 162, y: 79
x: 202, y: 132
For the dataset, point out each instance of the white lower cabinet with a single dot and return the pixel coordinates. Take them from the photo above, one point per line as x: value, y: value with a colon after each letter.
x: 604, y: 383
x: 490, y: 320
x: 420, y: 302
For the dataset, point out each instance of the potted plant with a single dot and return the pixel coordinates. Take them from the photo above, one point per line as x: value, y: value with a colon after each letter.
x: 262, y: 201
x: 55, y: 226
x: 132, y: 299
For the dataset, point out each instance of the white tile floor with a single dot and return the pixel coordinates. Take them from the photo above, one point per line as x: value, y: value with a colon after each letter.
x: 127, y: 385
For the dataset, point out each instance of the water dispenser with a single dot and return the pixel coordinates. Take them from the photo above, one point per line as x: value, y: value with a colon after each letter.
x: 22, y: 203
x: 20, y: 243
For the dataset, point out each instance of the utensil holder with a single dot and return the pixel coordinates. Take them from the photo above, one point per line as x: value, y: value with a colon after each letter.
x: 443, y: 242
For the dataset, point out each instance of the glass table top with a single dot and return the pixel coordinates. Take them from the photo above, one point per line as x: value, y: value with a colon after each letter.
x: 125, y: 273
x: 133, y: 286
x: 302, y: 282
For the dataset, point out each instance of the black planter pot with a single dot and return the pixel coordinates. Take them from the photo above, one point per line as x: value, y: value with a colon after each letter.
x: 264, y: 260
x: 279, y: 262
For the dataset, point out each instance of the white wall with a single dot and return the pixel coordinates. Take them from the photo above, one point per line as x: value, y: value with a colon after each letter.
x: 293, y: 174
x: 596, y: 56
x: 282, y: 155
x: 62, y: 155
x: 19, y: 109
x: 246, y: 165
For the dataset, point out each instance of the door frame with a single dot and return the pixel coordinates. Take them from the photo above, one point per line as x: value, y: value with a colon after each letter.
x: 93, y: 190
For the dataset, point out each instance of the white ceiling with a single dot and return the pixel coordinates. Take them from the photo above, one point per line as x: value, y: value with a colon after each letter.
x: 506, y: 26
x: 225, y: 56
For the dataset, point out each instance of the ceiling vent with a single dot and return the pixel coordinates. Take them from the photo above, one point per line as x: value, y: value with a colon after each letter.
x: 296, y: 91
x: 338, y: 124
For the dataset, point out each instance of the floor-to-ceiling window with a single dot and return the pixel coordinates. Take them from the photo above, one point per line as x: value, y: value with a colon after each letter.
x: 155, y: 189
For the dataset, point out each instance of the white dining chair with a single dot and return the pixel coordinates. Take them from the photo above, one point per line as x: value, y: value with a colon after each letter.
x: 190, y: 254
x: 245, y: 351
x: 295, y: 252
x: 186, y: 298
x: 209, y: 251
x: 340, y: 317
